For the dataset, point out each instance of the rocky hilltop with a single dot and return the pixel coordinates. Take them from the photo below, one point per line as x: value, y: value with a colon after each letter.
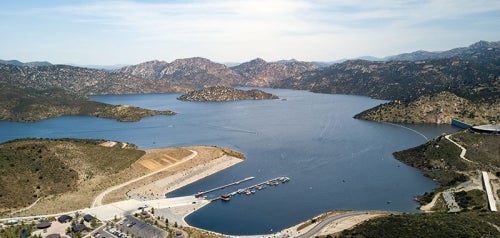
x: 473, y: 51
x: 222, y: 93
x: 259, y: 73
x: 437, y: 109
x: 193, y: 71
x: 82, y: 81
x: 201, y: 72
x: 476, y: 78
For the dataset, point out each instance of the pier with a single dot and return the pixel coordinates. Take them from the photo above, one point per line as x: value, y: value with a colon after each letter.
x: 252, y: 189
x: 201, y: 193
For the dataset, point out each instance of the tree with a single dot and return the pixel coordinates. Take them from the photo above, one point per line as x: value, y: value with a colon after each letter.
x: 153, y: 210
x: 175, y: 224
x: 93, y: 222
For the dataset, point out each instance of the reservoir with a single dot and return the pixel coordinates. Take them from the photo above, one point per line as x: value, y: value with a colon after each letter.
x: 334, y: 161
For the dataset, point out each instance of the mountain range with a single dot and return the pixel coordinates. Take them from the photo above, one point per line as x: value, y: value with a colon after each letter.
x: 472, y: 73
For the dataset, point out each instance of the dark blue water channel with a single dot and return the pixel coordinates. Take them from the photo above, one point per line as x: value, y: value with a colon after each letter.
x: 334, y: 161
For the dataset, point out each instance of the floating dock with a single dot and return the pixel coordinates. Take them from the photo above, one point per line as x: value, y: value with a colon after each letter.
x: 252, y: 189
x: 201, y: 193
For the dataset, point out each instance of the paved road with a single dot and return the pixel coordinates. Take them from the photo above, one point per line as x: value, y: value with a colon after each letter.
x: 320, y: 226
x: 98, y: 199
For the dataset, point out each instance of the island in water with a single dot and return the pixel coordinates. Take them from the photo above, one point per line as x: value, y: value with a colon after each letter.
x: 224, y: 93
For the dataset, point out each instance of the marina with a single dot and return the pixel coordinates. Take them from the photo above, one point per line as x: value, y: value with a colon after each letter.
x: 202, y: 193
x: 253, y: 189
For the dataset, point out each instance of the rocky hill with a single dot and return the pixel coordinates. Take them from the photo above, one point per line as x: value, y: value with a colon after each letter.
x: 193, y: 71
x: 29, y: 105
x: 476, y: 78
x: 474, y: 50
x: 437, y: 109
x: 31, y: 64
x: 82, y: 81
x: 222, y: 93
x: 201, y: 72
x: 259, y: 73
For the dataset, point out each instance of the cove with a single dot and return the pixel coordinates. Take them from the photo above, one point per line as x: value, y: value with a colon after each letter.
x: 334, y: 161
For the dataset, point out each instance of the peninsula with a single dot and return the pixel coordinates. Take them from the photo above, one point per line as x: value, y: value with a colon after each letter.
x: 223, y: 93
x: 30, y: 105
x: 61, y: 175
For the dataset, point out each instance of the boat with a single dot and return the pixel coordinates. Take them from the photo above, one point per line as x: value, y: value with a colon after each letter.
x: 225, y: 197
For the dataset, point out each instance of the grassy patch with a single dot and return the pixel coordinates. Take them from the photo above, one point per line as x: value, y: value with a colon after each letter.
x: 35, y: 168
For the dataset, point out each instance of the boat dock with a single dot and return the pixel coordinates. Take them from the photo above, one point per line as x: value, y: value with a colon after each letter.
x: 201, y: 193
x: 252, y: 189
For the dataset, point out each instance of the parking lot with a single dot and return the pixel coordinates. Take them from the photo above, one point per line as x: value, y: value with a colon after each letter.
x: 140, y: 228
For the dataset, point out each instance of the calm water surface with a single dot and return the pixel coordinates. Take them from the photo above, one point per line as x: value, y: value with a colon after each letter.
x: 333, y: 160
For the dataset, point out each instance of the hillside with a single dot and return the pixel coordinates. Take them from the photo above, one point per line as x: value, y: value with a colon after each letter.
x: 35, y: 168
x: 437, y: 109
x: 222, y: 93
x: 195, y: 71
x: 469, y: 224
x: 463, y: 52
x: 82, y: 81
x: 259, y: 73
x: 19, y: 63
x: 439, y: 158
x: 475, y: 77
x: 34, y: 105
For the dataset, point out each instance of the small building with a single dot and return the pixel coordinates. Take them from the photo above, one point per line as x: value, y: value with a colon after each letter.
x: 43, y: 225
x: 78, y: 227
x: 88, y: 218
x: 64, y: 219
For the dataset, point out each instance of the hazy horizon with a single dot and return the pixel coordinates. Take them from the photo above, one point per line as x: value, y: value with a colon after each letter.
x: 131, y: 32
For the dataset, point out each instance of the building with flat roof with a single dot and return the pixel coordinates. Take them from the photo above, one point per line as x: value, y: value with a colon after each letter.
x: 489, y: 128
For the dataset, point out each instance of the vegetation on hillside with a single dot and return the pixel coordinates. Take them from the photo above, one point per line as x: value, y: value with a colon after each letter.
x: 466, y: 224
x: 82, y: 81
x: 223, y: 93
x: 475, y: 78
x: 439, y: 158
x: 437, y: 109
x: 35, y: 168
x: 28, y: 105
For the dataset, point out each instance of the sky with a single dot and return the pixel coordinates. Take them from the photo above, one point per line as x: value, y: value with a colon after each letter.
x: 91, y: 32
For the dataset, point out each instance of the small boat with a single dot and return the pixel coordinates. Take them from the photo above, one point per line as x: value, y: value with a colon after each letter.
x: 225, y: 197
x: 252, y: 191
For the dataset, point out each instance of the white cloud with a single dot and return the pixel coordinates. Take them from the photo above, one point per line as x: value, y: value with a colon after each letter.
x: 274, y: 29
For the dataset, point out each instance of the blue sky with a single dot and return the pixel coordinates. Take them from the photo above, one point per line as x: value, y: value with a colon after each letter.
x: 130, y: 32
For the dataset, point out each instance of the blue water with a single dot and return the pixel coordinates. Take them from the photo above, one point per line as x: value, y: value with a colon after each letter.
x: 334, y: 161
